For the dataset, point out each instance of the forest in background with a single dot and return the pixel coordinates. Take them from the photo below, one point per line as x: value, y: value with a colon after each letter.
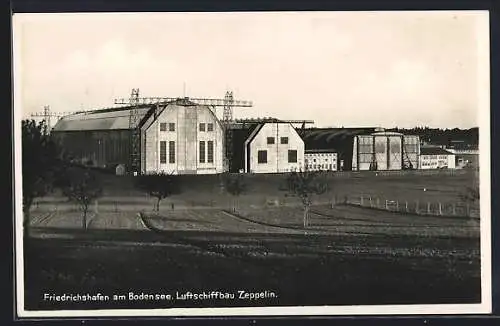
x: 443, y: 136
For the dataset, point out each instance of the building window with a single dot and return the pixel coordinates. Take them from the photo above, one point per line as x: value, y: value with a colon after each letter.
x: 330, y: 167
x: 163, y: 126
x: 314, y: 160
x: 202, y: 127
x: 292, y: 156
x: 270, y: 140
x: 171, y: 126
x: 284, y: 140
x: 171, y: 151
x: 202, y: 152
x: 262, y: 156
x: 210, y: 127
x: 210, y: 151
x: 163, y: 152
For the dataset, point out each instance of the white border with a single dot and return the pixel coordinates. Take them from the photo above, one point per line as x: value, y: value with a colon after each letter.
x: 485, y: 209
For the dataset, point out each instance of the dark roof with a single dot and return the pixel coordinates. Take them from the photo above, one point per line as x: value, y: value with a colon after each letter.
x: 434, y: 151
x: 331, y: 138
x: 312, y: 151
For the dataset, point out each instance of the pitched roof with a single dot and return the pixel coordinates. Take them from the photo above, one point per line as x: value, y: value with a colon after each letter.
x: 434, y: 151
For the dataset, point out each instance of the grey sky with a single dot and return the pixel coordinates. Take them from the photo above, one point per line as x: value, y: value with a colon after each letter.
x: 337, y: 68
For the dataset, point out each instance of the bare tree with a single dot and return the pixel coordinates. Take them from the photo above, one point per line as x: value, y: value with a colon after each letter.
x: 235, y: 185
x: 306, y: 184
x: 160, y: 185
x: 83, y: 187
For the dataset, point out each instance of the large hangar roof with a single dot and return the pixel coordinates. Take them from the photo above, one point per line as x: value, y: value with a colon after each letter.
x: 98, y: 120
x: 331, y: 138
x: 107, y: 119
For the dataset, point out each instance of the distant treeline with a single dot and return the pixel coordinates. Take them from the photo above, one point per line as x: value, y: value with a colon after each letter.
x: 442, y: 136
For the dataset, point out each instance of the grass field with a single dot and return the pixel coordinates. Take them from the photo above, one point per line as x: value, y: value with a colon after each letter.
x: 348, y: 255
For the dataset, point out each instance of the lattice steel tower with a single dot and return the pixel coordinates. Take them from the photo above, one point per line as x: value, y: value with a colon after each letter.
x: 135, y: 137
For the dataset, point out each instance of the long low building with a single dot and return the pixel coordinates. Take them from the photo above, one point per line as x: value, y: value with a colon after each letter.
x: 436, y: 158
x: 320, y: 160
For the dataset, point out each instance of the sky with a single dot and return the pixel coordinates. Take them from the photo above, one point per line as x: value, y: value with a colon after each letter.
x: 348, y: 69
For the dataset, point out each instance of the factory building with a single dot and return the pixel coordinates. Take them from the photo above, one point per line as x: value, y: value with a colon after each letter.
x: 334, y: 140
x: 320, y: 160
x: 385, y: 151
x: 177, y: 137
x: 182, y: 138
x: 98, y: 138
x: 362, y: 149
x: 436, y: 158
x: 273, y: 147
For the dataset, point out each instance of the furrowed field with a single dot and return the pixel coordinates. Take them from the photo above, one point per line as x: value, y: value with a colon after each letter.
x: 348, y: 254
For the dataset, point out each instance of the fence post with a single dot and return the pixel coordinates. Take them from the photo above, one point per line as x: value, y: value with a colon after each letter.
x: 397, y: 205
x: 454, y: 210
x: 428, y: 208
x: 371, y: 204
x: 361, y: 200
x: 386, y: 205
x: 440, y: 209
x: 416, y: 206
x: 406, y: 206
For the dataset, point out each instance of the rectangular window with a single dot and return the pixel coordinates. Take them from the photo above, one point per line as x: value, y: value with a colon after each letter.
x: 171, y: 126
x: 171, y: 152
x: 202, y: 127
x: 210, y: 127
x: 210, y: 151
x: 292, y: 156
x: 270, y: 140
x: 163, y: 126
x: 262, y: 156
x: 202, y: 152
x: 163, y: 152
x: 284, y: 140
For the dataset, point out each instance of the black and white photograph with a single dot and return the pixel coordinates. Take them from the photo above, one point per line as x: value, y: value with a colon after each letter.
x: 252, y: 163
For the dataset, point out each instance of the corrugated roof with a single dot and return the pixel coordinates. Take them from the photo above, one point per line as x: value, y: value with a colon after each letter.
x: 107, y: 119
x: 104, y: 120
x: 434, y: 151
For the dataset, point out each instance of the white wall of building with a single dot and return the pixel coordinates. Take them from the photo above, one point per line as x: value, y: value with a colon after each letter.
x: 437, y: 161
x: 321, y: 161
x: 172, y: 141
x: 277, y: 152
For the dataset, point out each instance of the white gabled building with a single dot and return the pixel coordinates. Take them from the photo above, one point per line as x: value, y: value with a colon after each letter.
x: 182, y: 138
x: 273, y: 147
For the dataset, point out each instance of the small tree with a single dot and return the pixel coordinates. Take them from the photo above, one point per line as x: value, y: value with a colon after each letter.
x: 160, y: 185
x: 235, y: 185
x: 83, y: 187
x: 305, y: 184
x: 41, y: 158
